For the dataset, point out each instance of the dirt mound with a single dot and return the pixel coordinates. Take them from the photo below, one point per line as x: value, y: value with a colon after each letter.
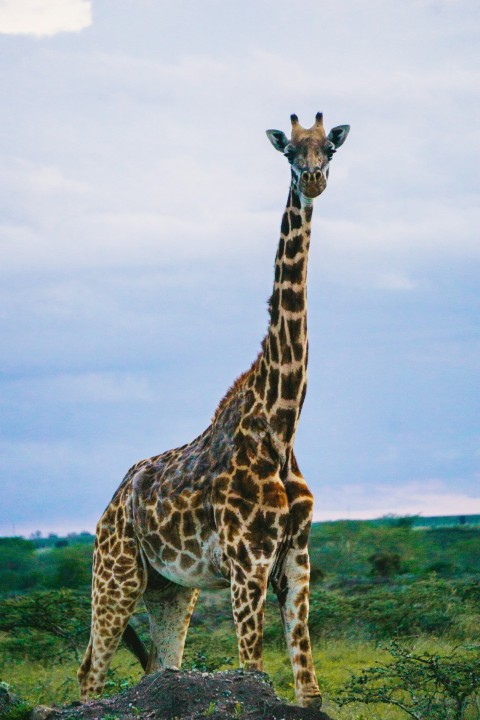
x: 179, y: 695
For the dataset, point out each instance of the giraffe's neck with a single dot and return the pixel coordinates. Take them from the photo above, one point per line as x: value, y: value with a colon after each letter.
x: 285, y: 348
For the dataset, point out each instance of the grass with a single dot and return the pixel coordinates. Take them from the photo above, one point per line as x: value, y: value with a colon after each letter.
x: 211, y: 645
x: 434, y: 597
x: 42, y: 683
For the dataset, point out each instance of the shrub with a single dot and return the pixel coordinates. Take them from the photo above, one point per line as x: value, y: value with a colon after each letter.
x: 330, y: 612
x: 385, y: 563
x: 17, y: 564
x: 73, y: 567
x: 382, y: 611
x: 429, y: 606
x: 51, y: 624
x: 422, y: 685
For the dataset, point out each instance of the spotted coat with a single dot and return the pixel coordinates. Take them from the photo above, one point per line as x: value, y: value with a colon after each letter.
x: 231, y: 508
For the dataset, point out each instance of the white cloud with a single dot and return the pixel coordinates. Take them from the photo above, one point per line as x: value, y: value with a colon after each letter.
x: 75, y: 388
x: 71, y: 480
x: 35, y: 179
x: 384, y: 247
x: 138, y: 191
x: 395, y: 281
x: 44, y: 17
x: 427, y: 498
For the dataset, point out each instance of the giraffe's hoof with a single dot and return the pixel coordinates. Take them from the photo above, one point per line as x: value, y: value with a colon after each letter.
x: 311, y: 701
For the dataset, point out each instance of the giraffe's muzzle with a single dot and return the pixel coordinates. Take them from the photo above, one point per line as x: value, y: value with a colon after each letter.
x: 312, y: 182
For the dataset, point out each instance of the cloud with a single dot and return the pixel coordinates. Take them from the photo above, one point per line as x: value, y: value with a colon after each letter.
x: 363, y: 502
x: 140, y: 204
x: 77, y: 388
x: 43, y: 18
x: 139, y: 149
x: 49, y: 501
x: 395, y: 281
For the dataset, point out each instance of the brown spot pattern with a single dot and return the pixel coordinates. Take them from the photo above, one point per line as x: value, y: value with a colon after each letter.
x: 229, y: 507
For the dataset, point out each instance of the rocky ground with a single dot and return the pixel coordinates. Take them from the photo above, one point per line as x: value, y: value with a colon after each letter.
x: 179, y: 695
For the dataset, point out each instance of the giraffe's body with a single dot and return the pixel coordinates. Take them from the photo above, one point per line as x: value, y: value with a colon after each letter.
x: 231, y: 507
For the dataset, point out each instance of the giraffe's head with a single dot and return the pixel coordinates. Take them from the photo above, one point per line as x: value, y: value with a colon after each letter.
x: 309, y: 153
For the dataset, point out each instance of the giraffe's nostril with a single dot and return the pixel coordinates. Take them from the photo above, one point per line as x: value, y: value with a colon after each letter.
x: 318, y: 175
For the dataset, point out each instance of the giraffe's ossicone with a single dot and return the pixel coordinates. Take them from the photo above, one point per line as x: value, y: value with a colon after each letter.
x: 231, y: 507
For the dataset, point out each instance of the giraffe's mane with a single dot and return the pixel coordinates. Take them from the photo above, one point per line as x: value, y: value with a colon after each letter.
x: 236, y: 387
x: 242, y: 379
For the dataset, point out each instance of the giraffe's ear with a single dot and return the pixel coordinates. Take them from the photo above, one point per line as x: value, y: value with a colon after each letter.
x: 338, y: 135
x: 278, y: 139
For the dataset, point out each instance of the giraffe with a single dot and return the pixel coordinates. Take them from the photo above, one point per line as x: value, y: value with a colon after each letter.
x: 230, y: 508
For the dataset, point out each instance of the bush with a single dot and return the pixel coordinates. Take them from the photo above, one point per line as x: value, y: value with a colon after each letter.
x: 422, y: 685
x: 428, y: 606
x: 17, y: 564
x: 330, y: 613
x: 385, y: 563
x: 49, y: 625
x: 376, y: 611
x: 73, y: 567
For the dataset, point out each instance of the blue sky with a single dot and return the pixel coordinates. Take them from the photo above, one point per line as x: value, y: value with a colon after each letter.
x: 140, y: 210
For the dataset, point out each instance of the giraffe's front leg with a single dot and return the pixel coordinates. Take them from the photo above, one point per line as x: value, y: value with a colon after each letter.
x: 249, y: 589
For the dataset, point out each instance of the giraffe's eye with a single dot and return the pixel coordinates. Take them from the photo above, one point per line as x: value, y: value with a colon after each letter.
x: 330, y: 150
x: 289, y: 153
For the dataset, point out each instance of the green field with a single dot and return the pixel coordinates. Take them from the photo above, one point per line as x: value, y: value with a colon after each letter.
x: 387, y: 594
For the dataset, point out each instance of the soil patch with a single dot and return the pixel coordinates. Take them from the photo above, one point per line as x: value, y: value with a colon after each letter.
x: 180, y: 695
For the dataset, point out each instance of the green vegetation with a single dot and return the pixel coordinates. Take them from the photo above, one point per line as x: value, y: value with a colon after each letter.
x: 423, y: 685
x: 17, y: 565
x: 347, y: 548
x: 25, y: 567
x: 44, y: 624
x: 395, y: 621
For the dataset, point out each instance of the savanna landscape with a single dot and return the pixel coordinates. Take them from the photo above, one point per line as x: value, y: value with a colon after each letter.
x: 142, y: 222
x: 394, y: 620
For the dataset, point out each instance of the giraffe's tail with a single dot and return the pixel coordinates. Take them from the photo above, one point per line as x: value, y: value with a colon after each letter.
x: 135, y: 645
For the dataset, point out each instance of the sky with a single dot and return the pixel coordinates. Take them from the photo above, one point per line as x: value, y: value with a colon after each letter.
x: 140, y: 206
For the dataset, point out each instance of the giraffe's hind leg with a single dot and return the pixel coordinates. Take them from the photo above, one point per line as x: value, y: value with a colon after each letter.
x: 119, y: 578
x: 170, y: 607
x: 290, y: 582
